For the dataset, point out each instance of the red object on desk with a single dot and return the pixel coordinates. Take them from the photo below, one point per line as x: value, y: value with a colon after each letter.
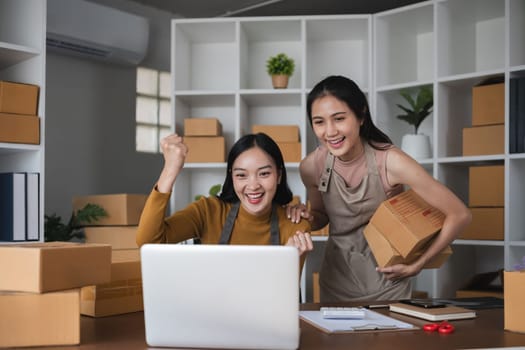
x: 443, y: 327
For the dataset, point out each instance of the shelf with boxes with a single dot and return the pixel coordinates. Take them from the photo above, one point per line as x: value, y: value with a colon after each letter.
x: 22, y: 109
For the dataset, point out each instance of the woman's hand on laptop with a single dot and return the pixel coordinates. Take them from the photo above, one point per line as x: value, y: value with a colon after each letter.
x: 302, y: 241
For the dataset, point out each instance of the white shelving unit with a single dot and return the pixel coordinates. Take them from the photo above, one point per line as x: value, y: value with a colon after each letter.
x: 22, y: 59
x: 451, y: 45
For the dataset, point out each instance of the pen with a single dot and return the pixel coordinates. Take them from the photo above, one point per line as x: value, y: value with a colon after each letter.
x: 376, y: 306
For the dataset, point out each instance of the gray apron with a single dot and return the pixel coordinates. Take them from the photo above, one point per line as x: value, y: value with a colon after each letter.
x: 230, y: 221
x: 348, y: 268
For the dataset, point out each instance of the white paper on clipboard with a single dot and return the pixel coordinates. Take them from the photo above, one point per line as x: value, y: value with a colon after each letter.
x: 373, y: 321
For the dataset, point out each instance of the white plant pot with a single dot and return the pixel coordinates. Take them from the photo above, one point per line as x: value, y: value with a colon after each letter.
x: 416, y: 146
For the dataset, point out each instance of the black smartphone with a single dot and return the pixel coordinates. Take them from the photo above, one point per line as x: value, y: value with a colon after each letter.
x: 427, y: 304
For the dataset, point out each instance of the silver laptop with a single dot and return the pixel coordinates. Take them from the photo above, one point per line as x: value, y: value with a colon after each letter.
x: 221, y: 296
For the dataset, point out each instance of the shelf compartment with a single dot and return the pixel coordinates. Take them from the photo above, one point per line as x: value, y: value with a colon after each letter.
x: 206, y: 55
x: 516, y: 200
x: 454, y: 105
x: 270, y: 109
x: 259, y: 40
x: 20, y: 20
x: 349, y: 37
x: 217, y: 106
x: 406, y: 52
x: 516, y: 30
x: 471, y: 36
x: 387, y: 112
x: 465, y: 262
x: 21, y: 158
x: 516, y: 256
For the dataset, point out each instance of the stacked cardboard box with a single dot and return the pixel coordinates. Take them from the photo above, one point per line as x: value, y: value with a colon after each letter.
x: 204, y: 139
x: 486, y: 202
x: 39, y: 290
x: 487, y: 134
x: 19, y: 122
x: 514, y: 307
x: 123, y: 293
x: 401, y: 230
x: 286, y: 136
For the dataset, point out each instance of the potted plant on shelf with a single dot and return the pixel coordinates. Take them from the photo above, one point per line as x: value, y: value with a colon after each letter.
x: 416, y: 145
x: 280, y: 67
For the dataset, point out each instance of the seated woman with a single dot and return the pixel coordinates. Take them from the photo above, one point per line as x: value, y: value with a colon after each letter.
x: 249, y: 210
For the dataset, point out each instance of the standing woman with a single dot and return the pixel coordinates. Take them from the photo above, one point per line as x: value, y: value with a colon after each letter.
x: 355, y: 168
x: 249, y: 209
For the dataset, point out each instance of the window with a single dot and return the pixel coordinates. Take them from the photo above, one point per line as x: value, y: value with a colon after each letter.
x: 152, y: 111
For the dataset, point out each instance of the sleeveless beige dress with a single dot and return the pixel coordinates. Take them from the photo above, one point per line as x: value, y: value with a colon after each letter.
x: 348, y: 269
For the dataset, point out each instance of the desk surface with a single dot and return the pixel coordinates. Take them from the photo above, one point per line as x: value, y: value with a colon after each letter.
x: 485, y: 331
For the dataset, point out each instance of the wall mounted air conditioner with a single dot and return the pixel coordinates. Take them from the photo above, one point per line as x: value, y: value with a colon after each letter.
x: 90, y: 30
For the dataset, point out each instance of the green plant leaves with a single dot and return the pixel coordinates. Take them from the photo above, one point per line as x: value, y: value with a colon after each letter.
x: 213, y: 191
x: 280, y: 64
x: 420, y: 107
x: 56, y: 230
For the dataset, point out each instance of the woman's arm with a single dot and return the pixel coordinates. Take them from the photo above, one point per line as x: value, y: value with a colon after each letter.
x: 317, y: 214
x: 402, y: 169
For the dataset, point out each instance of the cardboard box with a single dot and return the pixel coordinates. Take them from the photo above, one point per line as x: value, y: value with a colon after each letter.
x: 29, y: 319
x: 486, y: 186
x: 202, y: 127
x: 122, y: 295
x: 478, y: 294
x: 487, y: 223
x: 51, y: 266
x: 279, y: 133
x: 514, y: 308
x: 122, y: 209
x: 205, y: 149
x: 18, y: 98
x: 482, y: 140
x: 119, y: 237
x: 291, y: 151
x: 407, y: 222
x: 488, y: 104
x: 125, y: 254
x: 386, y: 255
x: 18, y: 128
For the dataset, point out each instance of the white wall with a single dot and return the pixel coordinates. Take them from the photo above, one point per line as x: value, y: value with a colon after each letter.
x: 90, y: 122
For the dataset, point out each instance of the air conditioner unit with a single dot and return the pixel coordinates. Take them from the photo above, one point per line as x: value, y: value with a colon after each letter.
x: 90, y: 30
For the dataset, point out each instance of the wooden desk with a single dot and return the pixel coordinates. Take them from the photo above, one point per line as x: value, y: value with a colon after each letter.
x: 485, y: 331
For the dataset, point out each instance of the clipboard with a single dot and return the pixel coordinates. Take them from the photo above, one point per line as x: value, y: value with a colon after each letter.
x: 372, y: 322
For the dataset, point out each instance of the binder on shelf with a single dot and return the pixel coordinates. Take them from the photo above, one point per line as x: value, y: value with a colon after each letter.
x: 33, y: 206
x: 520, y: 127
x: 513, y: 116
x: 12, y: 207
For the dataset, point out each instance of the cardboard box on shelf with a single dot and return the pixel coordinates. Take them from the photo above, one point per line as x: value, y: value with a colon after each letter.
x: 407, y: 222
x: 386, y: 255
x: 279, y: 133
x: 47, y: 319
x: 205, y: 149
x: 52, y: 266
x: 18, y: 98
x: 202, y: 127
x: 119, y: 237
x: 514, y: 307
x: 487, y: 186
x: 483, y: 140
x: 122, y: 209
x: 18, y: 128
x: 291, y: 151
x: 487, y: 223
x: 488, y: 104
x: 122, y: 295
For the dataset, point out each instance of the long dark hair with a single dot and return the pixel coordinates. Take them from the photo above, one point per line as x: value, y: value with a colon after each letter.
x: 347, y: 91
x: 283, y: 194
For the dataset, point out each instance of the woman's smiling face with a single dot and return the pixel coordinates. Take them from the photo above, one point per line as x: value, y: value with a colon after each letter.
x: 255, y: 180
x: 337, y: 127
